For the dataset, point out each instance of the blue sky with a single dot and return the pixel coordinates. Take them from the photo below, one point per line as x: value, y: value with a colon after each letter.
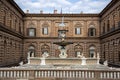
x: 68, y: 6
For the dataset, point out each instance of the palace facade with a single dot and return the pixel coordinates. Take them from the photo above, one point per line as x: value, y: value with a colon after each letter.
x: 91, y: 34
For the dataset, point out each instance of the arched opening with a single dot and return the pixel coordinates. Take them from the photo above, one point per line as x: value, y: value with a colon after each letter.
x: 78, y: 51
x: 3, y: 17
x: 92, y: 32
x: 92, y: 52
x: 45, y: 50
x: 31, y: 51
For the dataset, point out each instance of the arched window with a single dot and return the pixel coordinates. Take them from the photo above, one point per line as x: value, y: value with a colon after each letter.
x: 78, y: 29
x: 92, y: 52
x: 114, y: 21
x: 45, y: 28
x: 31, y: 30
x: 45, y: 49
x: 78, y: 50
x: 108, y: 25
x: 119, y: 18
x: 3, y: 17
x: 10, y: 21
x: 103, y: 28
x: 92, y: 32
x: 15, y: 24
x: 31, y: 51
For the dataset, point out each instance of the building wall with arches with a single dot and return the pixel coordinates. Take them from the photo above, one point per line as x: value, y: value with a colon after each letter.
x: 91, y: 34
x: 11, y: 49
x: 110, y: 34
x: 53, y: 50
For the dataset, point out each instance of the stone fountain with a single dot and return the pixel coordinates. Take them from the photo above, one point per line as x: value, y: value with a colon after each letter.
x: 62, y: 34
x: 63, y: 56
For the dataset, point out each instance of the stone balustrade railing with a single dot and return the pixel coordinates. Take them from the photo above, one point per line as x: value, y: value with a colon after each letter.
x: 15, y: 74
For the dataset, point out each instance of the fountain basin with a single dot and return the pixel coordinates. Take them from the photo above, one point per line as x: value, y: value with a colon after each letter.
x: 63, y: 61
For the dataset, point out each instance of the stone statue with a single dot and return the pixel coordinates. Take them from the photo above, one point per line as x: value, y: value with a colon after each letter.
x: 105, y: 63
x: 63, y: 53
x: 98, y: 55
x: 79, y: 55
x: 83, y: 60
x: 45, y: 54
x: 28, y: 57
x: 21, y: 63
x: 32, y: 54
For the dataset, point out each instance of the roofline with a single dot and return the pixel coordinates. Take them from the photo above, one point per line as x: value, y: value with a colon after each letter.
x: 111, y: 4
x: 61, y: 15
x: 16, y: 6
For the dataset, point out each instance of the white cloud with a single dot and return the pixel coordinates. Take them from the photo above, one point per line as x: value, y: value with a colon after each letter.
x: 87, y: 6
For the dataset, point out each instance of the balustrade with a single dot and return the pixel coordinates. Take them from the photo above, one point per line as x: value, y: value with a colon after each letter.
x: 80, y: 74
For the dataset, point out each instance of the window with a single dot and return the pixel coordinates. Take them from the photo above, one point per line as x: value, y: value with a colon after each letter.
x: 113, y: 20
x: 15, y: 24
x: 77, y: 30
x: 3, y: 17
x: 4, y: 20
x: 92, y: 52
x: 19, y: 27
x: 119, y: 55
x: 45, y: 31
x: 103, y: 28
x: 31, y: 32
x: 119, y: 19
x: 108, y: 25
x: 92, y: 31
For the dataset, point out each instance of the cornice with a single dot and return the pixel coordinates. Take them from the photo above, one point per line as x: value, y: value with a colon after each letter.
x: 111, y: 4
x: 27, y: 37
x: 13, y: 3
x: 61, y: 15
x: 108, y: 34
